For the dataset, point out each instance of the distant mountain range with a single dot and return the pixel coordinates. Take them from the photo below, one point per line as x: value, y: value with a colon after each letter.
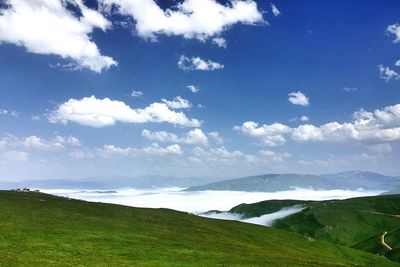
x: 350, y: 180
x: 112, y: 182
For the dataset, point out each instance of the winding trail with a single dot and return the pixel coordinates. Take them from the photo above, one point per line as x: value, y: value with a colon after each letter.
x: 379, y: 213
x: 384, y: 243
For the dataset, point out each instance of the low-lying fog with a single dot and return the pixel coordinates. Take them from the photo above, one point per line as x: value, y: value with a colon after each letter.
x: 266, y: 219
x: 201, y: 201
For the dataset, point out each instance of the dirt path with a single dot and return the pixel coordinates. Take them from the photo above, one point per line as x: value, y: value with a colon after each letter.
x: 379, y: 213
x: 384, y: 243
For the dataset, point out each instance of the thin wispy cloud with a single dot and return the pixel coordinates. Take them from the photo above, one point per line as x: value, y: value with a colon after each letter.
x: 193, y: 88
x: 137, y: 93
x: 275, y: 10
x: 196, y: 63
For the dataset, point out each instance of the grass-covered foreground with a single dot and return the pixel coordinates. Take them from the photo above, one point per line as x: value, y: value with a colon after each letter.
x: 358, y: 222
x: 40, y: 230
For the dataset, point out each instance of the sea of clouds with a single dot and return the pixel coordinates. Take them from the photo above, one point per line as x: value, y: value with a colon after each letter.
x: 200, y: 201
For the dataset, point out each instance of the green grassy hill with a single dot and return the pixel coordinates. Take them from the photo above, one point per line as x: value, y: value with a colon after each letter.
x: 357, y: 222
x: 41, y: 230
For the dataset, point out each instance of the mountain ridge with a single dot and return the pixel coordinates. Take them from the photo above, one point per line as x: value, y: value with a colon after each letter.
x: 351, y: 180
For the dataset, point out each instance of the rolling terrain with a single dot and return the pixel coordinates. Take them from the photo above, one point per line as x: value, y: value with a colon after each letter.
x: 357, y: 222
x: 44, y: 230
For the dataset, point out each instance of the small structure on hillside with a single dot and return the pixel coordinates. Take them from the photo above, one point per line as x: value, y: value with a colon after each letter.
x: 25, y: 189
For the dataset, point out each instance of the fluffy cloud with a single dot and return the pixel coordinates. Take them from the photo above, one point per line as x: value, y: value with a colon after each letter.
x: 193, y: 88
x: 34, y: 142
x: 156, y: 150
x: 298, y: 98
x: 161, y: 136
x: 94, y: 112
x: 58, y: 142
x: 216, y: 137
x: 48, y: 27
x: 304, y: 118
x: 137, y: 93
x: 196, y: 63
x: 271, y: 135
x: 190, y: 18
x: 381, y: 125
x: 193, y: 137
x: 275, y: 10
x: 219, y: 41
x: 178, y: 103
x: 108, y: 151
x: 387, y: 73
x: 219, y: 154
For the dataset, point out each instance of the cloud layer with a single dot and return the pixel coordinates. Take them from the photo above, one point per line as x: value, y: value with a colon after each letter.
x: 202, y: 201
x: 381, y: 125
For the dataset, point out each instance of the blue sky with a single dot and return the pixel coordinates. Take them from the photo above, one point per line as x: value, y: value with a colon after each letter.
x: 66, y: 82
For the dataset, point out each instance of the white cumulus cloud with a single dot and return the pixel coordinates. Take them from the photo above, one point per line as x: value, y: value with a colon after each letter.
x: 94, y: 112
x: 381, y: 125
x: 271, y: 135
x: 156, y: 150
x: 190, y: 18
x: 193, y: 137
x: 298, y: 98
x: 48, y: 27
x: 58, y: 142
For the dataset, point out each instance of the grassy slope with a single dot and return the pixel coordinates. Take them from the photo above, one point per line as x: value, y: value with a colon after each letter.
x: 348, y: 222
x: 40, y: 230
